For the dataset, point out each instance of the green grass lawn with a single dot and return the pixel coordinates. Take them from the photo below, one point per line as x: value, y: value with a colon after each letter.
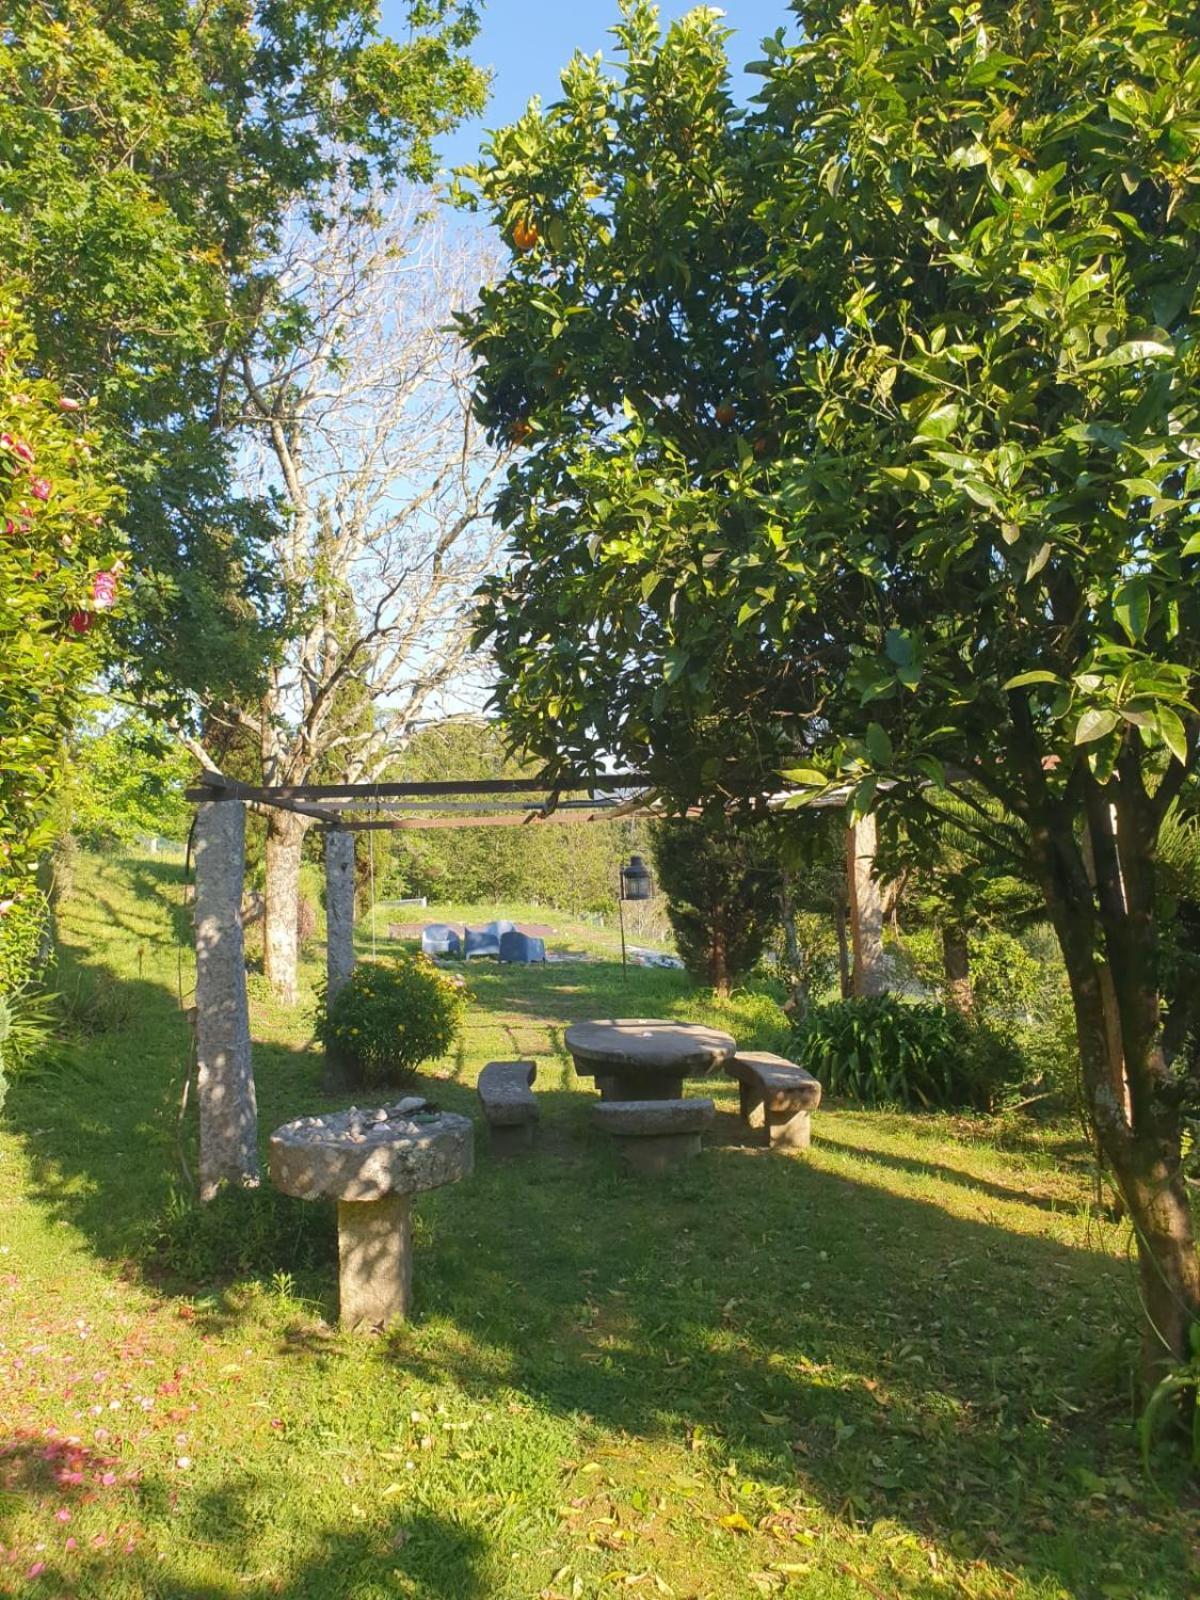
x: 890, y: 1368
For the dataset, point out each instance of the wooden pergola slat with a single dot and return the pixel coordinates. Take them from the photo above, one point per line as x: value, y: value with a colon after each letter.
x: 215, y: 788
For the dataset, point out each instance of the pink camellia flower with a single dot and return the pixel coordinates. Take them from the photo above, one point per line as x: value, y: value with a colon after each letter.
x: 39, y: 488
x: 82, y: 621
x: 19, y: 448
x: 104, y: 590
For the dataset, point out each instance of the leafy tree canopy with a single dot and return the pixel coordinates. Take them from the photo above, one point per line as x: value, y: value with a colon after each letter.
x: 863, y: 441
x: 147, y: 153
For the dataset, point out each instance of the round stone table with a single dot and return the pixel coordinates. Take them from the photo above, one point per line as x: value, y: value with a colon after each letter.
x: 635, y: 1058
x: 371, y: 1163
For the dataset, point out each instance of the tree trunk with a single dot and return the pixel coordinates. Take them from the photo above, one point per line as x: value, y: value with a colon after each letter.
x: 285, y: 835
x: 1137, y: 1126
x: 224, y: 1073
x: 843, y: 952
x: 791, y: 944
x: 718, y: 960
x: 866, y: 909
x: 956, y: 969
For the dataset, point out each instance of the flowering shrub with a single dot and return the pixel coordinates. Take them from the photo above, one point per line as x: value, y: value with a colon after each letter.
x: 59, y: 569
x: 391, y: 1017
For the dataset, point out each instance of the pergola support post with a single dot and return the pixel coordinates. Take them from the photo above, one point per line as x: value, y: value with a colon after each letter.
x: 866, y: 910
x: 339, y: 929
x: 224, y: 1076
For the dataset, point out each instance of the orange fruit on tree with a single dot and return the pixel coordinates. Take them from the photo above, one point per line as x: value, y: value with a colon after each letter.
x: 525, y: 235
x: 726, y: 412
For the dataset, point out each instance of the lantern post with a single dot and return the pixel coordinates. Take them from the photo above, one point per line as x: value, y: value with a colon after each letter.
x: 636, y: 884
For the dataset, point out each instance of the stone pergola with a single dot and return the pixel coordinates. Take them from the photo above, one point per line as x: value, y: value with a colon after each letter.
x: 225, y: 1078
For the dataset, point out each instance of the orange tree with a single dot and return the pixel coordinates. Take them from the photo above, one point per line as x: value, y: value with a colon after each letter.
x: 863, y: 443
x: 61, y: 578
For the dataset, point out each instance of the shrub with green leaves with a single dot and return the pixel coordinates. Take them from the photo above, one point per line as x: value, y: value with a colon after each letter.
x: 391, y: 1017
x: 884, y: 1051
x: 60, y: 577
x: 26, y: 1033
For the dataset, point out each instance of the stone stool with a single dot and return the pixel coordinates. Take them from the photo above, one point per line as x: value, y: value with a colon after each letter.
x: 653, y: 1135
x: 371, y: 1163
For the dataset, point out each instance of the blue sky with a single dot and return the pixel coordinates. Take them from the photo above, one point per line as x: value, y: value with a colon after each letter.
x: 528, y: 42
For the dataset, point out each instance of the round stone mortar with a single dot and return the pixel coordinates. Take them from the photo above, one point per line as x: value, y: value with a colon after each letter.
x: 371, y: 1162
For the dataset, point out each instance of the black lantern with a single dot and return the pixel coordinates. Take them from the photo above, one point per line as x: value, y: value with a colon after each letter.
x: 636, y: 882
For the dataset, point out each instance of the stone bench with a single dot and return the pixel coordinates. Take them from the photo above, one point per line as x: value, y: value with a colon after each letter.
x: 509, y: 1105
x: 653, y: 1135
x: 776, y: 1096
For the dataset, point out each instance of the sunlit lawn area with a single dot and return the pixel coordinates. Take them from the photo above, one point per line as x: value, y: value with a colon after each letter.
x: 887, y: 1369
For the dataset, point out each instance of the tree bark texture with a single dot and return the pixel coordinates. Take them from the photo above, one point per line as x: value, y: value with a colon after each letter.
x: 225, y: 1078
x: 281, y: 923
x: 1101, y: 902
x: 845, y: 978
x: 866, y: 910
x: 956, y: 969
x: 718, y: 959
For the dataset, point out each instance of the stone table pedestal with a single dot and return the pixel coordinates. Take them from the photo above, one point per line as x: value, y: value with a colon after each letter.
x: 372, y: 1163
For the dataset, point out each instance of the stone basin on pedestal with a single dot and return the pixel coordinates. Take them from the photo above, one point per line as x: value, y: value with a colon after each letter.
x: 371, y: 1162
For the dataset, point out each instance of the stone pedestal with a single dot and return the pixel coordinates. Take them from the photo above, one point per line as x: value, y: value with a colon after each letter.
x: 512, y: 1141
x: 657, y: 1154
x: 374, y: 1261
x: 371, y: 1162
x: 633, y: 1086
x: 787, y: 1129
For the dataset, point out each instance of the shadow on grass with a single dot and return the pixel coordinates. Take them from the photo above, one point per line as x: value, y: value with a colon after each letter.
x: 823, y: 1337
x: 955, y: 1175
x: 432, y: 1557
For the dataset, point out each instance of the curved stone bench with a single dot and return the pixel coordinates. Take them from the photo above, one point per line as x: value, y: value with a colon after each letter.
x: 654, y: 1134
x: 509, y: 1105
x: 371, y: 1163
x: 776, y: 1096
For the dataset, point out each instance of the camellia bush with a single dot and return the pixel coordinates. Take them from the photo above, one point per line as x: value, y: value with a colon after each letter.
x: 391, y: 1017
x: 60, y: 576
